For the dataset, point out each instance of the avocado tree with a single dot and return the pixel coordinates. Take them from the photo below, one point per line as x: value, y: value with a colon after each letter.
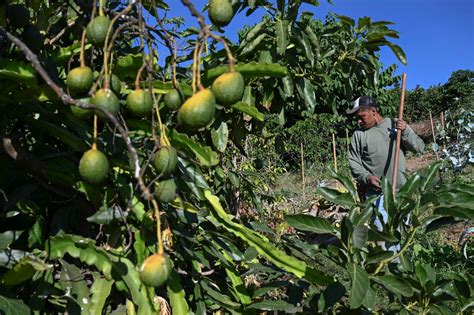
x: 115, y: 170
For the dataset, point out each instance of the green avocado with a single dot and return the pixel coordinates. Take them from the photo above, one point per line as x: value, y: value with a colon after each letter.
x: 228, y: 88
x: 94, y: 166
x: 97, y: 29
x: 106, y: 99
x: 139, y: 103
x: 165, y: 190
x: 220, y: 12
x: 198, y: 111
x: 80, y: 79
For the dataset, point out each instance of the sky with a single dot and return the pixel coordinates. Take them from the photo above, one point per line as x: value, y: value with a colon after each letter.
x: 436, y: 35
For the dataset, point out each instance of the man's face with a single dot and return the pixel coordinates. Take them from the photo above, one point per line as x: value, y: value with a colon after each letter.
x: 366, y: 118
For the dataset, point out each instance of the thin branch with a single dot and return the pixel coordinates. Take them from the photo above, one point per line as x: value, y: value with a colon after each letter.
x: 61, y: 33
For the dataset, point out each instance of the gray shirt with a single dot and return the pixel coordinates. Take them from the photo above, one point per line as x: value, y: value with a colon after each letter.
x: 372, y: 152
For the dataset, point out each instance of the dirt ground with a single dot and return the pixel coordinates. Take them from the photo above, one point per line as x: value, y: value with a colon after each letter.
x: 416, y: 163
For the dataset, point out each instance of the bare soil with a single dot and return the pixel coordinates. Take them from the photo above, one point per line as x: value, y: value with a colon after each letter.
x: 416, y: 163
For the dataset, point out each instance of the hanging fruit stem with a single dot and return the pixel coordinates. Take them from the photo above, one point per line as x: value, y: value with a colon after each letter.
x: 161, y: 249
x: 199, y: 57
x: 82, y: 53
x: 139, y: 74
x: 195, y: 57
x: 173, y: 63
x: 101, y: 5
x: 94, y: 137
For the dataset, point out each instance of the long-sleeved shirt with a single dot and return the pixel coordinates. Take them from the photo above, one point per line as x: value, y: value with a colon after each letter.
x: 372, y: 152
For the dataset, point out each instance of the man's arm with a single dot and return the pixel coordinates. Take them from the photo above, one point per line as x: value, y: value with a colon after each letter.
x: 410, y: 139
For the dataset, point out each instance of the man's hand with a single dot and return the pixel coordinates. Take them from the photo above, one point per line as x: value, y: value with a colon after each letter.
x: 400, y: 124
x: 374, y: 181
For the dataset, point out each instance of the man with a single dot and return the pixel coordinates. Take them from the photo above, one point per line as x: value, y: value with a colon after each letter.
x: 372, y: 150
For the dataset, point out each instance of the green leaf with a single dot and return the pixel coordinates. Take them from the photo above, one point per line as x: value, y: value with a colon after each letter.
x: 247, y: 49
x: 128, y: 65
x: 255, y: 31
x: 359, y: 284
x: 204, y: 154
x: 308, y: 50
x: 176, y: 295
x: 306, y: 91
x: 288, y: 85
x: 13, y: 306
x: 281, y: 30
x: 429, y: 175
x: 314, y: 41
x: 105, y: 216
x: 458, y: 198
x: 346, y: 20
x: 24, y: 270
x: 275, y: 305
x: 64, y: 54
x: 456, y: 212
x: 379, y: 256
x: 100, y: 291
x: 17, y: 70
x: 220, y: 136
x: 395, y: 284
x: 346, y: 182
x: 370, y: 298
x: 359, y: 236
x: 193, y: 174
x: 412, y: 184
x: 161, y: 87
x: 264, y: 247
x: 399, y: 53
x: 178, y: 203
x: 309, y: 223
x: 335, y: 196
x: 425, y: 273
x: 375, y: 235
x: 248, y: 71
x: 388, y: 200
x: 252, y: 111
x: 220, y: 298
x: 85, y: 250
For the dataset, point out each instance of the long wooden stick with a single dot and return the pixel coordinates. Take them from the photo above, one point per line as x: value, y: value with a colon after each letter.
x: 434, y: 137
x: 441, y: 117
x: 303, y: 183
x: 334, y: 152
x: 399, y: 136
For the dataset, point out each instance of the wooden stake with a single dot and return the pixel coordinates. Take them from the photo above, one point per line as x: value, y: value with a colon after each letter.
x: 441, y: 117
x: 303, y: 183
x: 334, y: 151
x: 433, y: 132
x: 399, y: 136
x: 348, y: 140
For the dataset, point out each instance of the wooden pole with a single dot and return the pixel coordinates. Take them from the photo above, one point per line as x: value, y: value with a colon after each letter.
x: 334, y: 151
x: 441, y: 117
x: 434, y: 137
x: 347, y: 140
x: 399, y: 136
x: 303, y: 183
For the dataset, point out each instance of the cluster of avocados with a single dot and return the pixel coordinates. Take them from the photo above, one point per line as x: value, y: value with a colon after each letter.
x: 192, y: 114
